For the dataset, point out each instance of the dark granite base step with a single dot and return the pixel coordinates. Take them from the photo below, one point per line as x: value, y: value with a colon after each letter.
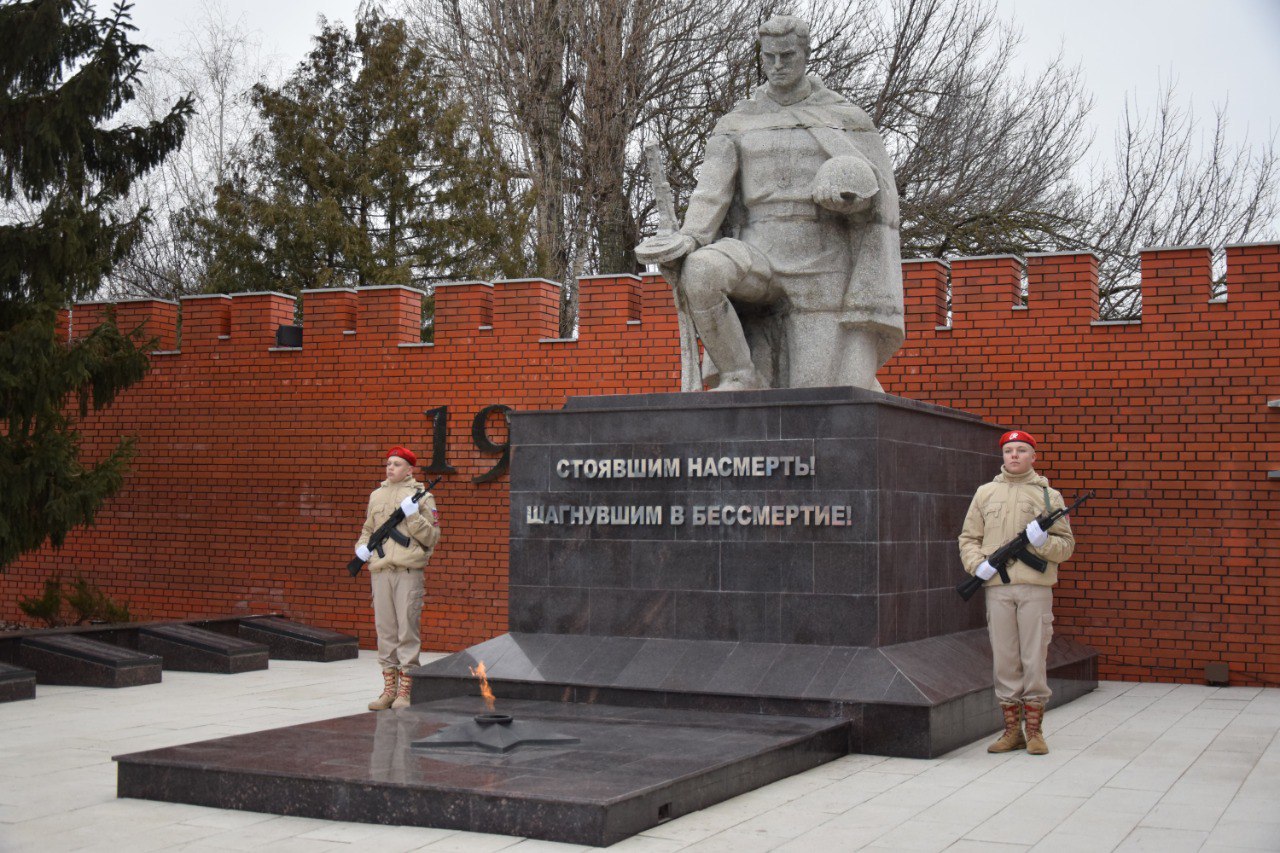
x: 16, y: 683
x: 191, y: 649
x: 294, y: 641
x: 918, y: 700
x: 79, y: 661
x: 631, y: 769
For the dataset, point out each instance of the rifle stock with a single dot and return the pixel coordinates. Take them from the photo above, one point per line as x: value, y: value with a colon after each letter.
x: 1015, y: 549
x: 387, y: 530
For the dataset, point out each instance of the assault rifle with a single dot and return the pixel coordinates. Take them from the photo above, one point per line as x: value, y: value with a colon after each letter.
x: 1016, y: 549
x: 386, y: 531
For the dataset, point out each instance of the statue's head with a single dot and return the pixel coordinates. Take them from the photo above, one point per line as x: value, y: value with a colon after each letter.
x: 784, y: 50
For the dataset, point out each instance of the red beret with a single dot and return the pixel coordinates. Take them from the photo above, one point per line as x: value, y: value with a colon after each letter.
x: 404, y: 453
x: 1017, y: 435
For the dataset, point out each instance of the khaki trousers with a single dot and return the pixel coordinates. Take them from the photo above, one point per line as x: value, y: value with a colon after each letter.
x: 397, y: 615
x: 1020, y: 622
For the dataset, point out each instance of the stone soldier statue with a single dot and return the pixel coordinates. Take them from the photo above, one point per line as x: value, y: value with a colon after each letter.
x: 788, y: 261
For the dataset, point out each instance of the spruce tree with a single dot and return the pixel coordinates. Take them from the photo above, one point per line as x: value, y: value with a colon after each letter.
x: 64, y: 172
x: 365, y: 173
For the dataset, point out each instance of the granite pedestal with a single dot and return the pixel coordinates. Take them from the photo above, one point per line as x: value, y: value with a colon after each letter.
x: 786, y: 551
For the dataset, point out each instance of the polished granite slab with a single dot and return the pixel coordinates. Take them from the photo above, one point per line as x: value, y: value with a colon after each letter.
x: 631, y: 769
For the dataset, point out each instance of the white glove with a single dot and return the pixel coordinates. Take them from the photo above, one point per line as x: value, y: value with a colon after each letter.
x: 409, y: 507
x: 986, y: 571
x: 363, y: 552
x: 1037, y: 536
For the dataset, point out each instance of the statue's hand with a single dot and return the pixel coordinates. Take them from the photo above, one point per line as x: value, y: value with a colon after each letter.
x: 845, y: 185
x: 665, y: 248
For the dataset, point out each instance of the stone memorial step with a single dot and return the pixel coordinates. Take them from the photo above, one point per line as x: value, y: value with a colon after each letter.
x: 79, y: 661
x: 191, y: 649
x: 16, y: 683
x: 288, y: 640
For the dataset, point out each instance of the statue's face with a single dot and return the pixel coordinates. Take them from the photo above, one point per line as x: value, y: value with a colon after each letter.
x: 784, y: 60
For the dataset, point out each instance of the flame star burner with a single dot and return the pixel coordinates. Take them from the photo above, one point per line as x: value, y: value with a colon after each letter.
x: 493, y: 732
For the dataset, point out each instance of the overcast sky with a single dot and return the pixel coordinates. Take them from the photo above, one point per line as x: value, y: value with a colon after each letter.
x: 1220, y: 52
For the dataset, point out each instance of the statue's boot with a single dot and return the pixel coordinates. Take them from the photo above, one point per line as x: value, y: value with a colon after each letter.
x: 721, y: 333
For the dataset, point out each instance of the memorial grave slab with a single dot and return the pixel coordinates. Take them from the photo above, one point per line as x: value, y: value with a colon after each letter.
x: 191, y: 649
x: 288, y: 640
x: 16, y: 683
x: 83, y: 662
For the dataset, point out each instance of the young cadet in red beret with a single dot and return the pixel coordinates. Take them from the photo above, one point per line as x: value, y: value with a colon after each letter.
x: 397, y: 577
x: 1020, y: 613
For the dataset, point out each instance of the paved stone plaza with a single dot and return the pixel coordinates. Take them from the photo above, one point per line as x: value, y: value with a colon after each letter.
x: 1134, y: 767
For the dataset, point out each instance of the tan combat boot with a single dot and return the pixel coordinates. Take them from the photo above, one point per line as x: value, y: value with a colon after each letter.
x: 388, y: 695
x: 1034, y: 713
x: 1012, y: 738
x: 402, y: 692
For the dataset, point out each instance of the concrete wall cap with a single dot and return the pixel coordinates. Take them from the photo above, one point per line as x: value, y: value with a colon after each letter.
x: 1017, y: 258
x: 1261, y: 243
x: 1146, y: 249
x: 1093, y: 255
x: 528, y: 281
x: 130, y: 300
x: 629, y: 275
x: 391, y: 287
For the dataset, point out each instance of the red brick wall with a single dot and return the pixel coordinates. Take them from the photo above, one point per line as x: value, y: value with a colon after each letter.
x: 1178, y: 562
x: 254, y: 463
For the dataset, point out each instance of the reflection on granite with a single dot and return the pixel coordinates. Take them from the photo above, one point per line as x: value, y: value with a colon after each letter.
x: 633, y: 768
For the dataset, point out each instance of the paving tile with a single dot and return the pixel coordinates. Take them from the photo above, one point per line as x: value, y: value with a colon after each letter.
x: 1249, y: 835
x: 924, y: 837
x: 1197, y: 816
x: 1100, y: 831
x: 1026, y: 820
x: 1156, y: 840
